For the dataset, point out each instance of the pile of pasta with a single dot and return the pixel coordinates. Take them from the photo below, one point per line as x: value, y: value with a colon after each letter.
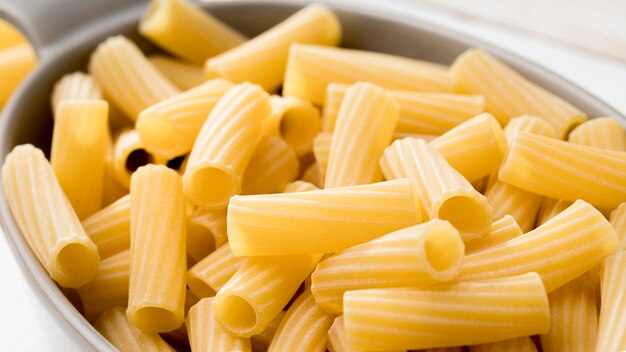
x: 17, y: 60
x: 379, y: 203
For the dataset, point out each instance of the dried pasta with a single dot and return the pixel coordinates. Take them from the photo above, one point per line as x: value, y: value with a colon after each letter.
x: 206, y: 334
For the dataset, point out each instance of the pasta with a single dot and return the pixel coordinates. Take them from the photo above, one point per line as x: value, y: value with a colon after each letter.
x: 337, y: 337
x: 129, y: 154
x: 225, y: 145
x: 170, y: 127
x: 560, y: 250
x: 272, y: 166
x: 74, y: 86
x: 296, y: 121
x: 210, y: 274
x: 261, y: 342
x: 200, y: 241
x: 508, y: 94
x: 80, y: 142
x: 602, y: 132
x: 214, y: 221
x: 520, y: 344
x: 262, y: 60
x: 9, y: 35
x: 502, y: 230
x: 549, y: 208
x: 321, y: 150
x: 115, y: 327
x: 416, y: 256
x: 15, y: 64
x: 157, y: 250
x: 184, y: 75
x: 109, y: 228
x: 446, y: 315
x: 46, y: 219
x: 299, y: 186
x: 444, y: 193
x: 324, y: 221
x: 206, y: 335
x: 311, y: 68
x: 313, y: 175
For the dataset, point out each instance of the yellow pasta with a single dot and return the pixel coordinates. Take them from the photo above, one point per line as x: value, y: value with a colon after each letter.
x: 116, y: 328
x: 337, y: 337
x: 214, y: 221
x: 261, y: 342
x: 46, y: 219
x: 206, y: 335
x: 550, y: 207
x: 602, y: 132
x: 508, y: 94
x: 313, y: 175
x: 210, y: 274
x: 446, y: 315
x: 127, y: 77
x: 324, y: 221
x: 183, y: 74
x: 129, y: 154
x: 321, y: 150
x: 311, y: 68
x: 109, y: 228
x: 80, y: 143
x: 423, y: 113
x: 365, y: 123
x: 296, y: 121
x: 474, y: 148
x: 272, y: 166
x: 15, y: 64
x: 565, y: 170
x: 9, y: 35
x: 304, y: 327
x: 157, y: 250
x: 520, y: 344
x: 560, y: 250
x: 444, y: 193
x: 74, y: 86
x: 299, y: 186
x: 502, y: 230
x: 402, y: 135
x: 225, y: 145
x: 200, y: 241
x: 262, y: 60
x: 416, y: 256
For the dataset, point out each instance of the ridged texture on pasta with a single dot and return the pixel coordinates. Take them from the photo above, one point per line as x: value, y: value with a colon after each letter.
x: 15, y: 64
x: 129, y: 154
x: 299, y: 186
x: 502, y: 230
x: 550, y: 207
x: 574, y: 314
x: 508, y: 94
x: 446, y: 315
x: 109, y: 288
x: 365, y: 123
x: 565, y: 170
x: 183, y: 74
x: 261, y: 342
x: 560, y: 250
x: 425, y: 113
x: 207, y: 335
x: 445, y: 194
x: 200, y: 241
x: 602, y: 132
x: 74, y: 86
x: 116, y: 328
x: 170, y: 127
x: 304, y: 328
x: 80, y: 143
x: 337, y: 337
x: 402, y: 135
x: 321, y: 150
x: 311, y: 68
x: 127, y: 77
x: 272, y: 166
x: 210, y: 274
x: 474, y: 148
x: 46, y: 219
x: 109, y: 228
x: 259, y: 290
x: 296, y: 121
x: 225, y: 145
x: 324, y: 221
x: 520, y: 344
x: 9, y: 35
x: 187, y: 31
x: 157, y: 250
x: 416, y: 256
x: 214, y: 221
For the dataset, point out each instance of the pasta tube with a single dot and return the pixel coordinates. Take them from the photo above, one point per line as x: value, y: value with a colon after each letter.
x: 550, y: 207
x: 443, y: 192
x: 365, y: 123
x: 206, y: 335
x: 565, y: 170
x: 210, y: 274
x: 520, y: 344
x: 184, y: 75
x: 560, y: 250
x: 272, y: 166
x: 416, y: 256
x: 446, y: 315
x: 311, y: 68
x: 186, y: 30
x: 9, y: 35
x: 74, y: 86
x: 261, y: 342
x: 116, y: 328
x: 80, y: 143
x: 259, y: 290
x: 337, y: 337
x: 200, y: 241
x: 423, y: 113
x: 129, y: 154
x: 170, y: 127
x: 157, y: 250
x: 602, y: 132
x: 508, y: 94
x: 324, y: 221
x: 402, y: 135
x: 46, y: 219
x: 296, y: 121
x: 299, y: 186
x: 15, y: 64
x: 321, y: 150
x: 262, y: 60
x: 225, y: 145
x: 214, y: 221
x: 502, y: 230
x: 304, y: 328
x: 127, y: 78
x: 529, y: 124
x: 313, y: 175
x: 109, y: 228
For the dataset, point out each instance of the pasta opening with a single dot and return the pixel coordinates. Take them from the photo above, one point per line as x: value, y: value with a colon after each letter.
x: 199, y: 287
x: 176, y: 163
x: 136, y: 159
x: 237, y: 313
x: 468, y: 215
x: 298, y: 127
x: 211, y: 187
x: 158, y: 134
x: 77, y: 264
x: 444, y: 250
x: 154, y: 319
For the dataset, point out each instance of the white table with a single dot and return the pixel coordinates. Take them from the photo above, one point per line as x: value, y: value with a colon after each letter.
x: 26, y: 326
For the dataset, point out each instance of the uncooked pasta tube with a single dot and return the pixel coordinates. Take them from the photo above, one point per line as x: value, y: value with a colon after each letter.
x: 324, y: 221
x: 296, y: 121
x: 272, y: 166
x: 200, y: 241
x: 365, y: 123
x: 321, y: 150
x: 444, y: 193
x: 157, y: 250
x: 502, y: 230
x: 46, y: 219
x: 603, y: 132
x: 337, y: 338
x: 129, y: 154
x: 74, y: 86
x: 446, y: 315
x: 262, y: 60
x: 416, y: 256
x: 550, y: 207
x: 261, y: 342
x: 15, y: 64
x: 109, y: 228
x: 210, y: 274
x: 214, y: 221
x: 520, y: 344
x: 299, y: 186
x: 313, y: 175
x: 206, y: 334
x: 184, y: 75
x: 116, y: 328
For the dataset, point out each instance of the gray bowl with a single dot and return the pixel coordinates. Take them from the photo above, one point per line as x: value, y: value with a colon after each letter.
x: 65, y: 32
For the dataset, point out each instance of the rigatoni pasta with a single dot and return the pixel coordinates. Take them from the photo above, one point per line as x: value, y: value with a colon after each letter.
x: 109, y: 228
x: 602, y: 132
x: 183, y: 74
x: 296, y: 121
x: 209, y: 275
x: 129, y: 154
x: 207, y: 335
x: 15, y: 64
x: 272, y: 166
x: 299, y: 186
x: 502, y: 230
x: 321, y: 151
x: 520, y: 344
x: 74, y: 86
x: 212, y: 220
x: 116, y: 328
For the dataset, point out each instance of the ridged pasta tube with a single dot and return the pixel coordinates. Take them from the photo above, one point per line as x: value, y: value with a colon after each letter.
x: 214, y: 221
x: 261, y: 342
x: 337, y: 338
x: 109, y: 228
x: 184, y: 75
x: 116, y: 328
x: 321, y: 150
x: 602, y: 132
x: 207, y: 335
x: 272, y: 166
x: 502, y: 230
x: 74, y: 86
x: 296, y: 121
x: 550, y: 207
x: 15, y: 64
x: 210, y: 274
x: 299, y: 186
x: 46, y: 219
x: 520, y: 344
x: 129, y: 154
